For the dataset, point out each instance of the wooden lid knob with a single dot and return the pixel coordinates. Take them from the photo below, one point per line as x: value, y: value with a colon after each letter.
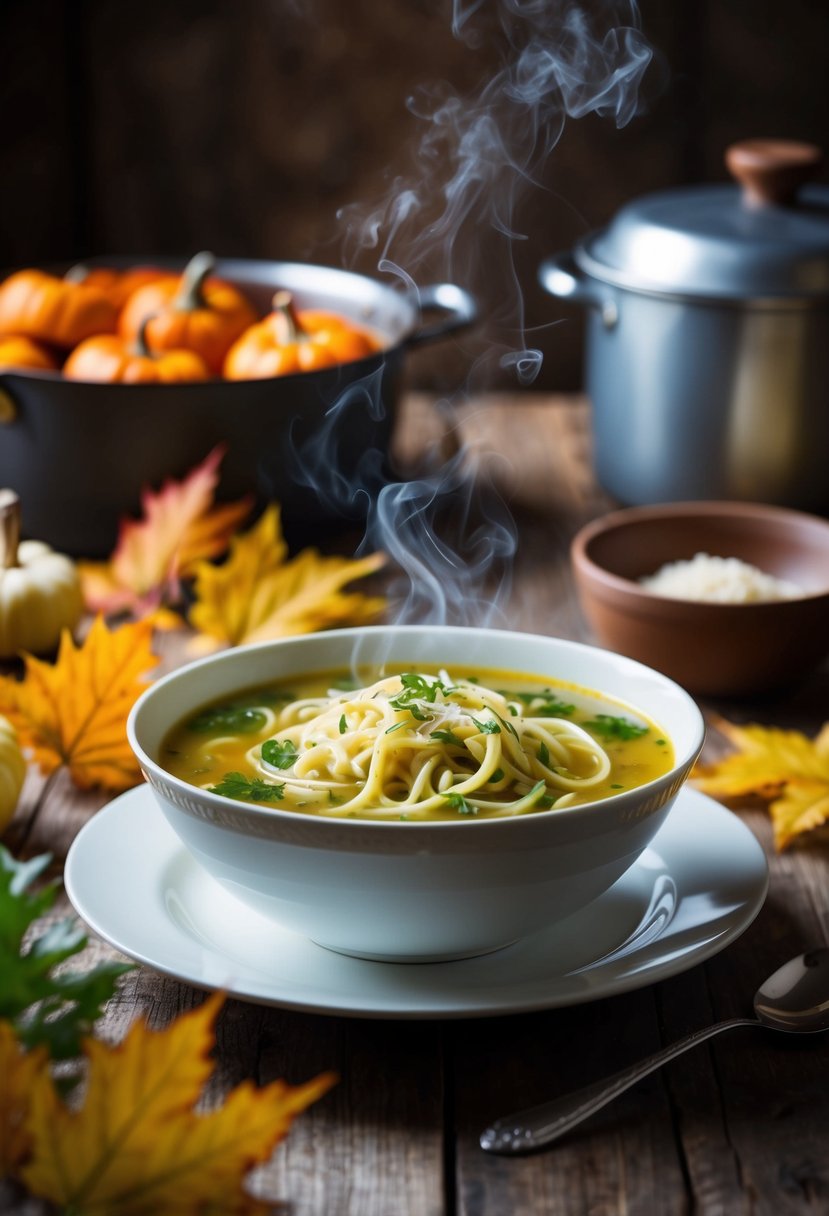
x: 771, y: 171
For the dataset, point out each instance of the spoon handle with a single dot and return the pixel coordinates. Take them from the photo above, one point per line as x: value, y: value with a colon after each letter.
x: 539, y: 1125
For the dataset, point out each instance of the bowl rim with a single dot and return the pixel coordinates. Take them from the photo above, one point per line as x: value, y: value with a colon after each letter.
x: 273, y: 814
x: 587, y: 567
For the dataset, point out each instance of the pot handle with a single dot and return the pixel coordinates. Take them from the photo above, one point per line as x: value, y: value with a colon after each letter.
x: 561, y: 276
x: 460, y: 308
x: 8, y: 405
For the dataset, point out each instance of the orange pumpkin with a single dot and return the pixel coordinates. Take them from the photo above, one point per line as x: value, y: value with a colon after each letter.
x: 287, y: 341
x: 119, y: 285
x: 17, y: 352
x: 41, y: 306
x: 195, y: 312
x: 112, y: 359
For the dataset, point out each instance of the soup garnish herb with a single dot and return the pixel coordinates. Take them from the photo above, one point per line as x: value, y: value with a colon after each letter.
x: 418, y: 745
x: 611, y: 727
x: 233, y: 719
x: 237, y: 785
x: 280, y: 755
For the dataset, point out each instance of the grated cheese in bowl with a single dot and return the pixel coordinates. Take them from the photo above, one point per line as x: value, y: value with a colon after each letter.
x: 718, y: 580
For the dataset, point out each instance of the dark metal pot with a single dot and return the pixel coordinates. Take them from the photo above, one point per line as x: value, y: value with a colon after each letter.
x: 707, y: 357
x: 79, y: 454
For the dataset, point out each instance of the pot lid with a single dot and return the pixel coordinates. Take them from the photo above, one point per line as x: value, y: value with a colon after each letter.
x: 768, y: 236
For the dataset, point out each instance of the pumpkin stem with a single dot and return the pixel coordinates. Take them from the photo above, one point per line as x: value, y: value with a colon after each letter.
x: 288, y: 322
x: 191, y: 289
x: 9, y: 528
x: 77, y: 274
x: 140, y: 347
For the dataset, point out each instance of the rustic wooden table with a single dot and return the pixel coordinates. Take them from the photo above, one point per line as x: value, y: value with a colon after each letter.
x: 737, y: 1126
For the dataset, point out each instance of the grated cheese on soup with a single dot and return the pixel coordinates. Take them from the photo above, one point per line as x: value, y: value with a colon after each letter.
x: 719, y: 580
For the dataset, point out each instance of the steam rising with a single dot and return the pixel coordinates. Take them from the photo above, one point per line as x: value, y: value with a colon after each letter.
x: 476, y: 158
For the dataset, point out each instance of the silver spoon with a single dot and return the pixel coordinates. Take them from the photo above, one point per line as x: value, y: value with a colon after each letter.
x: 795, y: 998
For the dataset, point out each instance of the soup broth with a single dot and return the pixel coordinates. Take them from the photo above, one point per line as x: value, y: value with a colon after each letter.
x: 417, y: 745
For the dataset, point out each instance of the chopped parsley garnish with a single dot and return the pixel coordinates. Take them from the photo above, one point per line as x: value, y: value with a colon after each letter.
x: 543, y: 754
x: 343, y: 724
x: 459, y: 804
x: 397, y: 726
x: 446, y: 736
x: 617, y: 786
x: 280, y: 755
x: 661, y: 742
x: 333, y: 800
x: 546, y: 801
x: 611, y: 727
x: 544, y: 704
x: 535, y: 797
x: 498, y: 775
x: 488, y: 728
x: 508, y: 725
x: 234, y: 718
x: 245, y: 789
x: 418, y: 688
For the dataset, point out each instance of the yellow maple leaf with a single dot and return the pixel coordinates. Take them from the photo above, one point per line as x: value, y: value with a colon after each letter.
x: 180, y: 526
x: 136, y: 1147
x: 784, y: 767
x: 257, y: 594
x: 73, y: 712
x: 19, y: 1070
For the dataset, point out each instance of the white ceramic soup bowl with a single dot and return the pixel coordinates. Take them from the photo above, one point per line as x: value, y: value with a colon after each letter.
x: 415, y: 891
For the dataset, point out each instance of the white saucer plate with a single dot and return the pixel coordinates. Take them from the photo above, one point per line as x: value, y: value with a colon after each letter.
x: 694, y: 890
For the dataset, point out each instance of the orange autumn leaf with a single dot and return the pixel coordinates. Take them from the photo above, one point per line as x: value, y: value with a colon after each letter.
x: 180, y: 526
x: 136, y: 1147
x: 19, y: 1070
x: 74, y: 712
x: 258, y: 593
x: 784, y: 767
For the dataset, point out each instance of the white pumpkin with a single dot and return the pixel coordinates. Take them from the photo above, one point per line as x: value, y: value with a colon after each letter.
x: 40, y: 590
x: 12, y: 771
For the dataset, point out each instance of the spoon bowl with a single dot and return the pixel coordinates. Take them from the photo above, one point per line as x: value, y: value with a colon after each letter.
x: 794, y: 999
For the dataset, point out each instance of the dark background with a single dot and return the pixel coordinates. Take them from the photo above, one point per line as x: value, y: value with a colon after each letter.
x: 243, y: 125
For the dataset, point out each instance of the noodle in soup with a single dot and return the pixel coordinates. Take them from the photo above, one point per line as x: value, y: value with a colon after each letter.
x: 418, y: 745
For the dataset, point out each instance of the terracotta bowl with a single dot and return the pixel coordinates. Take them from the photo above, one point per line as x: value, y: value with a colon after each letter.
x: 711, y: 649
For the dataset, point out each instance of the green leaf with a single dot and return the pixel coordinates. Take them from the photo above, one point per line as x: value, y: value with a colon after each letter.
x: 18, y: 906
x: 543, y: 754
x: 247, y: 789
x: 507, y: 725
x: 544, y: 704
x: 459, y: 803
x: 447, y: 736
x: 235, y: 719
x: 611, y: 727
x: 55, y: 1010
x: 418, y: 688
x: 343, y: 724
x: 489, y: 728
x: 280, y: 755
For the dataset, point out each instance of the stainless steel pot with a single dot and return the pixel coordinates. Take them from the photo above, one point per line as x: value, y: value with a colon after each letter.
x: 79, y: 454
x: 707, y: 358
